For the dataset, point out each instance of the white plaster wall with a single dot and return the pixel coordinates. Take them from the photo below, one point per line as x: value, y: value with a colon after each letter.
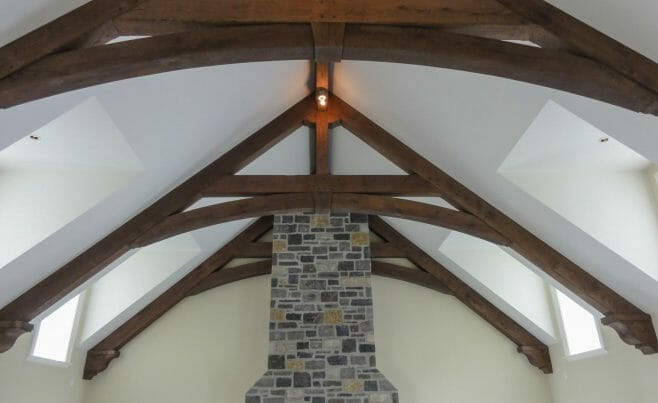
x: 212, y: 347
x: 621, y: 375
x: 23, y: 381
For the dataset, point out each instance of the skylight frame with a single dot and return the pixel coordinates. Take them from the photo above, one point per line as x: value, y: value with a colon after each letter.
x: 563, y: 332
x: 73, y: 337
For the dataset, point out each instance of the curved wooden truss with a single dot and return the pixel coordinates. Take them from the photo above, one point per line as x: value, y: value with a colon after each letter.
x: 70, y: 53
x: 212, y: 273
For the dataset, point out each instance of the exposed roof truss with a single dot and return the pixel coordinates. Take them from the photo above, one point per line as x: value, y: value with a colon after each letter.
x: 68, y: 54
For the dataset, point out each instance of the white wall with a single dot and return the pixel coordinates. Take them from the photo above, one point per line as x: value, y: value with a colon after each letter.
x: 621, y: 375
x: 212, y: 347
x: 23, y: 381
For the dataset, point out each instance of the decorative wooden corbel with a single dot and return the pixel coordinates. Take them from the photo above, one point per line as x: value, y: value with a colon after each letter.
x: 97, y: 362
x: 538, y: 356
x: 10, y: 331
x: 635, y: 330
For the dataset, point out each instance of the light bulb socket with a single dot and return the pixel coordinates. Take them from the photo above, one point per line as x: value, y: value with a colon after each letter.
x: 322, y: 98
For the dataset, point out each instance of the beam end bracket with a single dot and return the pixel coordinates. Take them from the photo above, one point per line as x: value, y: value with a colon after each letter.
x: 10, y: 331
x: 98, y: 361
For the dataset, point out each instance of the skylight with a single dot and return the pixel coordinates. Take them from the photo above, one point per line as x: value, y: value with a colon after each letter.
x: 579, y: 326
x: 55, y: 332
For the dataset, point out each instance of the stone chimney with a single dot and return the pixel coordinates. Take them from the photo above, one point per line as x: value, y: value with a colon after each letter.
x: 322, y: 346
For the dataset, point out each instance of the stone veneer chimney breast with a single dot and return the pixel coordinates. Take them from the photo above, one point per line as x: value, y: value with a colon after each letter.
x: 322, y: 346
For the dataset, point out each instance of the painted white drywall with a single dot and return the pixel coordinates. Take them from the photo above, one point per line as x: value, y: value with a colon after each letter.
x: 24, y: 381
x: 621, y: 375
x: 212, y: 347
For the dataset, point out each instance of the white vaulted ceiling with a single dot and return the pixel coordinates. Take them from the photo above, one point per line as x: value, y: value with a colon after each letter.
x: 466, y: 124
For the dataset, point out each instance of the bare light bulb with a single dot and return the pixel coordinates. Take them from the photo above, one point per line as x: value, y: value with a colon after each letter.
x: 322, y: 98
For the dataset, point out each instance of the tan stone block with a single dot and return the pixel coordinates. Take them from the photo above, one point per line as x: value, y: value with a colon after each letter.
x: 333, y: 316
x: 353, y: 386
x: 295, y: 364
x: 320, y: 220
x: 278, y: 246
x: 355, y: 281
x: 277, y: 315
x: 360, y: 239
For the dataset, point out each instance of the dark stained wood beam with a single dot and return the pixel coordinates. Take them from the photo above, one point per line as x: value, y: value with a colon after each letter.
x: 423, y: 46
x: 638, y: 330
x: 99, y: 357
x: 60, y: 33
x: 89, y: 263
x: 545, y: 67
x: 225, y: 276
x: 328, y: 39
x: 536, y: 351
x: 321, y: 139
x: 254, y: 185
x: 589, y: 41
x: 275, y: 204
x: 91, y: 66
x: 412, y: 276
x: 444, y: 12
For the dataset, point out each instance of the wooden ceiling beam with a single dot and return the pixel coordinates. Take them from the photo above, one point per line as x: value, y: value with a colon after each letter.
x: 413, y: 276
x: 254, y: 185
x: 99, y: 357
x: 527, y: 344
x: 544, y: 67
x: 424, y: 12
x: 275, y: 204
x: 588, y: 41
x: 633, y: 325
x: 77, y: 69
x: 328, y: 40
x: 89, y: 263
x: 60, y: 33
x: 225, y: 276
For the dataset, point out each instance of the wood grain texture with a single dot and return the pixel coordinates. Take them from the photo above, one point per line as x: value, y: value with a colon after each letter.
x: 413, y: 276
x: 552, y: 262
x: 536, y: 351
x: 429, y: 47
x: 97, y: 361
x: 545, y: 67
x: 75, y: 273
x: 87, y: 67
x: 275, y: 204
x: 445, y: 12
x: 254, y: 185
x: 60, y: 33
x: 588, y: 41
x: 328, y: 39
x: 225, y: 276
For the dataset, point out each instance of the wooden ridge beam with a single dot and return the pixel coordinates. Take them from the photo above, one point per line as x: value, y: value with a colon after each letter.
x: 638, y: 331
x: 255, y: 185
x: 328, y: 39
x: 404, y: 12
x: 588, y: 41
x: 99, y: 357
x: 422, y: 46
x: 527, y: 344
x: 60, y: 33
x: 90, y: 262
x: 274, y: 204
